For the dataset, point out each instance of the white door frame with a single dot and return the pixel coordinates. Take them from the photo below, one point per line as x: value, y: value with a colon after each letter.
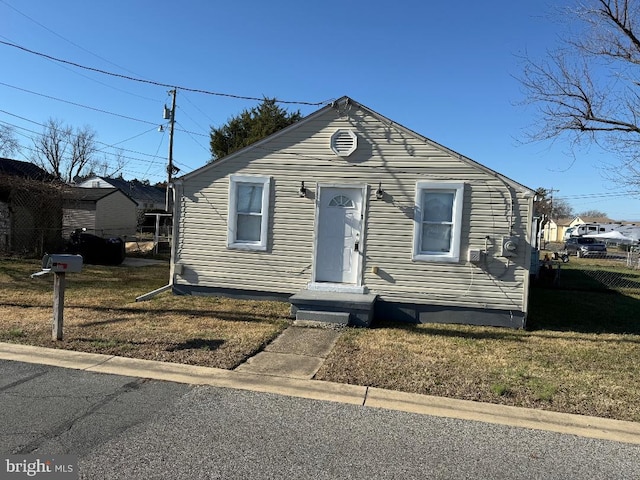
x: 341, y: 287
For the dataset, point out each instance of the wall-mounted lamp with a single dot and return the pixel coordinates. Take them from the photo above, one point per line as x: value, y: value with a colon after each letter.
x: 379, y: 191
x: 303, y: 191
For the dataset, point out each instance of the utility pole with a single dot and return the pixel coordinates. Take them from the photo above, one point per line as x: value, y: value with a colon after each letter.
x: 172, y: 119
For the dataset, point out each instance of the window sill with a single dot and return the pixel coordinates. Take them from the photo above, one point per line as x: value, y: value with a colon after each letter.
x: 247, y: 246
x: 435, y: 259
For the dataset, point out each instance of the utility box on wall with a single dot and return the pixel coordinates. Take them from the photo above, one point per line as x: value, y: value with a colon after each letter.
x: 510, y: 246
x: 475, y: 255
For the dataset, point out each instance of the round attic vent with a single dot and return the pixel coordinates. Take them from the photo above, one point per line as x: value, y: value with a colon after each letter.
x: 344, y: 143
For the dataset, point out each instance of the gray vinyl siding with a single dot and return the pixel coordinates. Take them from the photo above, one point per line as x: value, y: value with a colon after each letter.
x: 386, y: 154
x: 113, y: 215
x: 116, y: 215
x: 81, y: 215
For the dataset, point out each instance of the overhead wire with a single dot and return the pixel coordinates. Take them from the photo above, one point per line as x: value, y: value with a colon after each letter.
x: 64, y: 38
x: 196, y: 141
x: 33, y: 132
x: 153, y: 82
x: 97, y: 141
x: 79, y: 104
x: 126, y: 117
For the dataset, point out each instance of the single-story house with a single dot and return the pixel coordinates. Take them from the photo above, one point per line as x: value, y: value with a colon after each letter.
x: 348, y: 210
x: 147, y: 197
x: 106, y: 212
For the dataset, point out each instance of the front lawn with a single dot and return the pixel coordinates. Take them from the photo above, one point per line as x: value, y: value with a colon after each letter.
x: 580, y: 354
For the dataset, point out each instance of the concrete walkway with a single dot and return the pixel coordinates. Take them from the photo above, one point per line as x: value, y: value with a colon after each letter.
x: 297, y: 353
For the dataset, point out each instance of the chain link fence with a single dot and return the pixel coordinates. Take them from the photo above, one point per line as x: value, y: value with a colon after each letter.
x: 38, y: 217
x: 616, y: 270
x: 30, y: 216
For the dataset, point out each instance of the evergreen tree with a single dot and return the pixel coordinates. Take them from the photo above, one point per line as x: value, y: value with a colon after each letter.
x: 250, y: 126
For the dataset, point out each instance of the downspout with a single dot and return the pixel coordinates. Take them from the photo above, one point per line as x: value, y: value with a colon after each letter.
x: 174, y: 187
x: 527, y: 252
x: 527, y: 278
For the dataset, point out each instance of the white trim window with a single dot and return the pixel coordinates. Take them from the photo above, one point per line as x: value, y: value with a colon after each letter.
x: 248, y: 212
x: 438, y: 221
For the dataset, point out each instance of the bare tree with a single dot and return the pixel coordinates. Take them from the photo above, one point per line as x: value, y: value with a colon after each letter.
x: 83, y: 147
x: 105, y: 167
x: 593, y: 214
x: 589, y: 87
x: 63, y: 151
x: 8, y: 143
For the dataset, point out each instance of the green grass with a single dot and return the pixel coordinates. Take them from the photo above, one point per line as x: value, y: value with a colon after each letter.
x: 580, y: 353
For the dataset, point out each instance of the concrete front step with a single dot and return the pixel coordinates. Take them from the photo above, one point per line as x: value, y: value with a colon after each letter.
x: 334, y: 307
x: 341, y: 318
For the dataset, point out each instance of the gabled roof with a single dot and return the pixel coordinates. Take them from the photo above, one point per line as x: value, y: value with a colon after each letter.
x: 594, y: 219
x: 92, y: 194
x: 346, y: 101
x: 16, y: 168
x: 135, y: 189
x: 562, y: 222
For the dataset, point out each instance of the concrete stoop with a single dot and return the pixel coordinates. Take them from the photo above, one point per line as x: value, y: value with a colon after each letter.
x: 354, y: 309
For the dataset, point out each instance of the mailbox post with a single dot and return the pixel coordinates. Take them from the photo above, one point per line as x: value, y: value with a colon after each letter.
x: 59, y: 265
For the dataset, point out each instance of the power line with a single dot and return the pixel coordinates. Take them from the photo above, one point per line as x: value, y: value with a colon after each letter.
x: 152, y: 82
x: 78, y: 104
x: 196, y: 141
x: 95, y: 109
x: 589, y: 196
x: 64, y: 38
x: 100, y: 151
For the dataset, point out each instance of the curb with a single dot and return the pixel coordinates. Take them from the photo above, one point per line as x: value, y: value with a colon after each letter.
x: 570, y: 424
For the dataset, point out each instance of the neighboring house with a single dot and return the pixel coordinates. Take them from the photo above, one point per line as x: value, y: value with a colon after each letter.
x: 106, y: 212
x: 554, y: 230
x: 147, y: 197
x: 30, y: 209
x: 347, y: 205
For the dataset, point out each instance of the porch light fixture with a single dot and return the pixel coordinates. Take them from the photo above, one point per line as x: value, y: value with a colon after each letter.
x: 303, y: 191
x: 379, y: 191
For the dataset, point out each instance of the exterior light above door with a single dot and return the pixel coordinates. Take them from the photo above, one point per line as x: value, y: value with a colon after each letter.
x: 379, y: 191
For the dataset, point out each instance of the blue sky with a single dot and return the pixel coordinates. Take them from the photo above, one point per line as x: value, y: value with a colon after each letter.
x: 443, y: 69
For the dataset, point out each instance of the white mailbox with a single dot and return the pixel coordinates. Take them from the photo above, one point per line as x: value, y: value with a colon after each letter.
x: 62, y: 263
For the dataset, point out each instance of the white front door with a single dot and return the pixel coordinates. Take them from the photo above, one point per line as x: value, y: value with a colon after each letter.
x: 339, y: 237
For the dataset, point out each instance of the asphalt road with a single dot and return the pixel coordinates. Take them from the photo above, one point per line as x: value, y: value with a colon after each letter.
x: 129, y: 428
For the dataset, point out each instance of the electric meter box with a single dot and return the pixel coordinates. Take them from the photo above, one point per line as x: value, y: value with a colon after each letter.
x: 62, y: 263
x: 510, y: 246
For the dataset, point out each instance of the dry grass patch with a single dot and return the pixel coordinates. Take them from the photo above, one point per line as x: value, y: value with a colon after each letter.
x: 582, y: 358
x: 101, y: 316
x: 586, y: 374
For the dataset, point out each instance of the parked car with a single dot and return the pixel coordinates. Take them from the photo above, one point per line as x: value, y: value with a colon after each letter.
x: 585, y: 247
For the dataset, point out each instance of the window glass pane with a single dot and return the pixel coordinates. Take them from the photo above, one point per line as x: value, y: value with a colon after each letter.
x: 248, y: 228
x: 249, y: 198
x: 437, y: 206
x: 341, y: 201
x: 436, y: 238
